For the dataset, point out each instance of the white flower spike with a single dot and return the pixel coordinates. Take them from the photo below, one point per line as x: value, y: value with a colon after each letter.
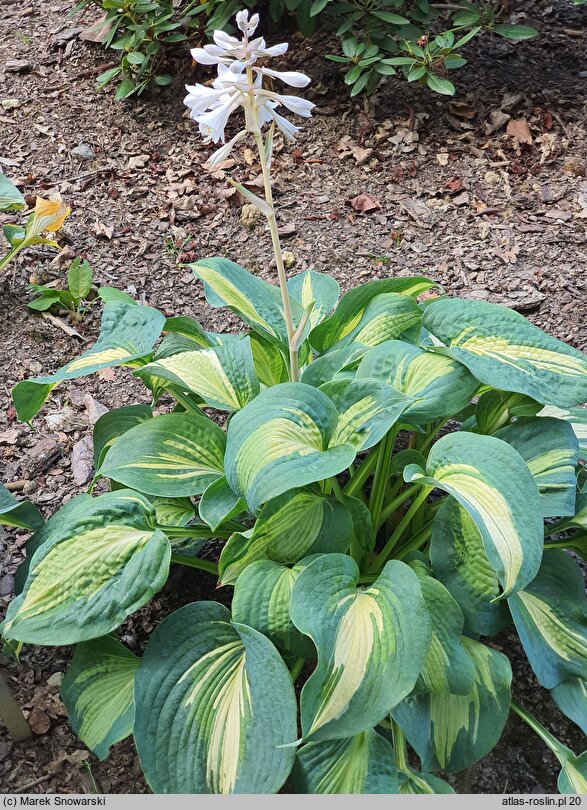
x: 239, y: 83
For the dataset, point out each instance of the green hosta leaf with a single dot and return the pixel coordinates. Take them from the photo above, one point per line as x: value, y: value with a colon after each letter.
x: 10, y: 197
x: 269, y: 360
x: 491, y: 480
x: 289, y: 527
x: 367, y: 409
x: 385, y: 317
x: 102, y: 561
x: 262, y: 597
x: 576, y: 417
x: 352, y: 305
x: 318, y: 288
x: 360, y: 764
x: 447, y: 667
x: 113, y: 424
x: 363, y: 540
x: 280, y: 440
x: 219, y: 503
x: 439, y: 385
x: 187, y: 327
x: 503, y: 349
x: 573, y: 776
x: 79, y: 278
x: 515, y: 32
x: 451, y: 732
x: 496, y: 408
x: 174, y: 511
x: 571, y: 698
x: 171, y: 455
x: 460, y: 562
x: 416, y: 782
x: 550, y: 615
x: 214, y: 706
x: 127, y: 332
x: 258, y: 303
x: 371, y: 643
x: 98, y: 693
x: 551, y: 451
x: 224, y: 377
x: 13, y: 512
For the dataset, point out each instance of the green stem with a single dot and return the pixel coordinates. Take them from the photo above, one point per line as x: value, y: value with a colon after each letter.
x: 568, y: 542
x: 174, y: 532
x: 381, y: 558
x: 431, y: 434
x: 11, y: 254
x: 381, y: 476
x: 396, y: 503
x: 415, y: 543
x: 272, y: 222
x: 184, y: 400
x: 296, y: 668
x: 551, y: 741
x: 400, y: 748
x: 361, y: 474
x: 195, y: 562
x: 337, y: 489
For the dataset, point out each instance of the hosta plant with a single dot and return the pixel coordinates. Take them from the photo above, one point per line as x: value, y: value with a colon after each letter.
x: 384, y: 482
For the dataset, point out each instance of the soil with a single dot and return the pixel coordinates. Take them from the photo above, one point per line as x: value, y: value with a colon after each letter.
x: 489, y: 208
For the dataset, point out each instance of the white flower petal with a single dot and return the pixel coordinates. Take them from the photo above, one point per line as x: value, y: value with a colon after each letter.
x: 200, y: 98
x: 224, y: 151
x: 274, y: 50
x: 299, y: 106
x: 203, y: 57
x: 291, y: 77
x: 289, y: 130
x: 225, y: 41
x: 212, y: 124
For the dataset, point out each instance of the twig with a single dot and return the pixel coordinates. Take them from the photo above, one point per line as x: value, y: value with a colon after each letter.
x: 62, y: 325
x: 29, y: 785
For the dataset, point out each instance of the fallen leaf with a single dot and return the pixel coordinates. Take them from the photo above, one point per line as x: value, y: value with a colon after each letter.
x: 138, y: 161
x: 519, y: 129
x: 497, y: 120
x: 101, y: 229
x: 364, y: 203
x: 9, y: 436
x: 456, y: 184
x: 442, y: 158
x: 106, y: 374
x: 97, y: 32
x: 82, y: 461
x: 39, y: 721
x: 461, y: 109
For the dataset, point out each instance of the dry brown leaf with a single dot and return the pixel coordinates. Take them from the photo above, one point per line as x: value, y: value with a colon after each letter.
x: 138, y: 161
x: 462, y: 109
x: 39, y: 721
x: 497, y: 120
x: 9, y: 436
x: 101, y: 229
x: 97, y: 32
x: 363, y: 203
x: 519, y: 129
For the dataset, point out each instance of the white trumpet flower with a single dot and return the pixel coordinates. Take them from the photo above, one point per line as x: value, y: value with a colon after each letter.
x: 239, y: 83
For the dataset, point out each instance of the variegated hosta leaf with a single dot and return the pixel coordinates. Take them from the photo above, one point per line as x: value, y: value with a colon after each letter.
x: 102, y: 561
x: 258, y: 303
x: 571, y: 698
x: 460, y: 562
x: 367, y: 409
x: 98, y: 693
x: 576, y: 417
x: 77, y: 503
x: 573, y: 777
x: 496, y: 408
x: 289, y: 527
x: 322, y: 290
x: 187, y: 327
x: 13, y: 512
x: 173, y: 511
x: 113, y: 424
x: 214, y: 706
x: 223, y: 377
x: 447, y: 667
x: 371, y: 643
x: 331, y: 365
x: 550, y: 615
x: 503, y: 349
x: 387, y: 316
x: 551, y: 451
x: 261, y: 600
x: 219, y: 503
x: 360, y: 764
x: 10, y: 197
x: 416, y: 782
x: 127, y: 332
x: 171, y: 455
x: 353, y: 303
x: 491, y: 480
x: 269, y: 359
x: 451, y: 732
x: 280, y: 441
x: 438, y: 384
